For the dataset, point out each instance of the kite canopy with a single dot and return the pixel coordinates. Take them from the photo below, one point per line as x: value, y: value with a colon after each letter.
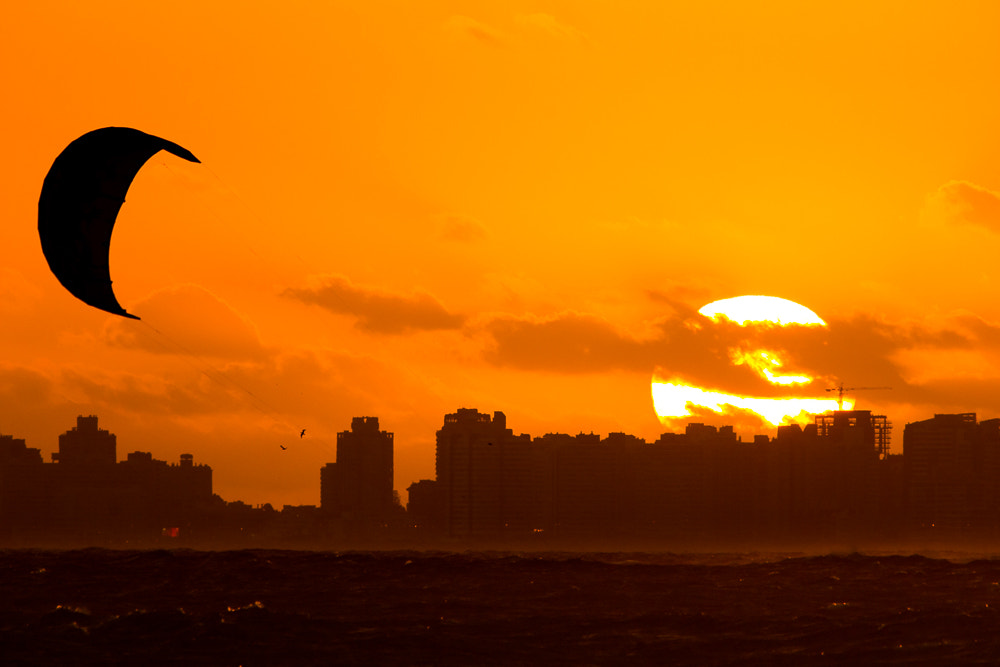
x: 81, y: 196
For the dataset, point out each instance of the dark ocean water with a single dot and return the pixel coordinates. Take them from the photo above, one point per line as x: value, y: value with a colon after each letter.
x: 270, y: 607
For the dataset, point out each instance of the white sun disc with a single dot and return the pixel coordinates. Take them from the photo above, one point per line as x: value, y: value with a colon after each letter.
x: 755, y: 308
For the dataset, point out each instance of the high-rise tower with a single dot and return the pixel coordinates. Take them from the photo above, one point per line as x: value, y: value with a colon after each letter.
x: 87, y: 445
x: 358, y: 487
x: 481, y: 468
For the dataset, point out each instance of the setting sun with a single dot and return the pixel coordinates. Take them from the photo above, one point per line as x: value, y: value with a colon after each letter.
x: 755, y: 308
x: 675, y: 398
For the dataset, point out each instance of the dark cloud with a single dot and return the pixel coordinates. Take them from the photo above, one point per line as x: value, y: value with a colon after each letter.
x: 376, y: 310
x: 186, y: 320
x: 961, y: 201
x: 278, y: 387
x: 688, y: 346
x: 858, y: 351
x: 977, y: 331
x: 19, y: 385
x: 568, y: 343
x: 179, y: 393
x: 292, y: 388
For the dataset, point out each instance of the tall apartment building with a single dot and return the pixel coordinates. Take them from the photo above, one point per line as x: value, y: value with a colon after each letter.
x: 87, y: 445
x: 842, y: 471
x: 358, y: 487
x: 591, y: 482
x: 486, y: 475
x: 23, y: 495
x: 87, y: 496
x: 952, y: 464
x: 827, y: 480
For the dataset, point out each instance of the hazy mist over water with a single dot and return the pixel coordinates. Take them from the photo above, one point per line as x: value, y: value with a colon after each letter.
x: 265, y: 607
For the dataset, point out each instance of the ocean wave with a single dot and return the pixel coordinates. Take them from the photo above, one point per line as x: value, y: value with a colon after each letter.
x: 97, y: 606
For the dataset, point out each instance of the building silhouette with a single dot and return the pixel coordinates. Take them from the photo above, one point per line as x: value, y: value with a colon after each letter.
x: 87, y: 496
x: 831, y: 479
x: 488, y: 478
x: 952, y: 469
x: 468, y: 461
x: 358, y: 487
x: 425, y: 509
x: 22, y: 497
x: 86, y: 445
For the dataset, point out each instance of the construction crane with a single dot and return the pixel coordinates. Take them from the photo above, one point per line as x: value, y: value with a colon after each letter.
x: 841, y: 389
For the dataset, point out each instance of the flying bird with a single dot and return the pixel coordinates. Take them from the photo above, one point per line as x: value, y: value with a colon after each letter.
x: 81, y: 196
x: 302, y: 435
x: 282, y: 446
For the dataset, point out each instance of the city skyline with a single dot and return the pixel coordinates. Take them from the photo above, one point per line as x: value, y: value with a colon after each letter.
x: 364, y: 450
x: 401, y: 209
x: 833, y: 481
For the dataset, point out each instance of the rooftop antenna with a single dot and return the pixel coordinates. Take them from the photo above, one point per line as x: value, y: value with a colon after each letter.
x: 841, y: 389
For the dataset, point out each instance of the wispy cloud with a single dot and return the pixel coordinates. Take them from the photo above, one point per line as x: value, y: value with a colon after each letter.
x: 461, y: 229
x: 377, y: 310
x: 964, y: 202
x: 15, y: 290
x: 550, y: 25
x: 536, y: 25
x: 186, y: 320
x: 476, y: 30
x: 567, y: 343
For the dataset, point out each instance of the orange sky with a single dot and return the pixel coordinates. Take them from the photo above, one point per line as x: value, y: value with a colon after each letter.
x: 407, y: 208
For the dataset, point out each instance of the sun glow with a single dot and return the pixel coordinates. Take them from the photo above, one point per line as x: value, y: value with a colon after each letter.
x: 755, y: 308
x: 764, y: 362
x: 675, y: 398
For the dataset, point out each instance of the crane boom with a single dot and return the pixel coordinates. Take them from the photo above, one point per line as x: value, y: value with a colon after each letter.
x: 841, y: 389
